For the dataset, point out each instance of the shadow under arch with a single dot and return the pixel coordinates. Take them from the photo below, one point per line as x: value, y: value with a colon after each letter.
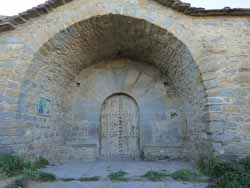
x: 107, y: 37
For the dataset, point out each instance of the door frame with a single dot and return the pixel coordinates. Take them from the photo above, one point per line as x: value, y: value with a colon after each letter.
x: 100, y: 123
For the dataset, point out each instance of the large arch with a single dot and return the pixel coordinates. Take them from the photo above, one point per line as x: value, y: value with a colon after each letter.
x: 216, y: 40
x: 59, y: 61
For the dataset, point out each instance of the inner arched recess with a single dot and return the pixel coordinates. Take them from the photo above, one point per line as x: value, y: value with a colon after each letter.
x: 60, y: 60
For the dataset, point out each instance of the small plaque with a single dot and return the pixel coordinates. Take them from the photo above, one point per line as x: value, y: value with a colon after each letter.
x: 43, y: 106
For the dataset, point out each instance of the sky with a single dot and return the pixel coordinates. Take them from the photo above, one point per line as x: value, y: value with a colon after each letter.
x: 13, y: 7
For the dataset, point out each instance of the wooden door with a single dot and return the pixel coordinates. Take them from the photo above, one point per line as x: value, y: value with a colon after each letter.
x: 119, y: 128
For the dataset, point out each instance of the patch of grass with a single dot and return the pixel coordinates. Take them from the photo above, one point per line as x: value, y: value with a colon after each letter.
x: 155, y: 176
x: 233, y: 180
x: 94, y: 178
x: 68, y: 179
x: 44, y: 177
x: 118, y: 176
x: 35, y: 175
x: 186, y: 175
x: 20, y: 183
x: 11, y: 165
x: 234, y: 174
x: 41, y: 163
x: 215, y: 168
x: 245, y: 163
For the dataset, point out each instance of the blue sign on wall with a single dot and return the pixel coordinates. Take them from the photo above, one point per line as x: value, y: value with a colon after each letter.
x: 43, y: 106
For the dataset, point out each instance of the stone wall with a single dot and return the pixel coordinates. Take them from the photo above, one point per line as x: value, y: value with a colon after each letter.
x: 206, y: 60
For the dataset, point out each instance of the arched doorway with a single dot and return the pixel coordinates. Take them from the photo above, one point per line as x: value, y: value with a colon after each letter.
x: 119, y: 128
x: 56, y: 74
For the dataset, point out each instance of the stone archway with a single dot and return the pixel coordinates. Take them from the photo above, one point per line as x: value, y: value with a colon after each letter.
x: 45, y: 54
x: 59, y: 62
x: 119, y: 128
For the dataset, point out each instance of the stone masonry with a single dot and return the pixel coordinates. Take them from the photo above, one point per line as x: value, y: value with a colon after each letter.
x: 186, y: 69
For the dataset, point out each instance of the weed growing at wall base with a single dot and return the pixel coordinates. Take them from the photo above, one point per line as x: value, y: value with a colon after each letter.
x: 118, y: 176
x: 94, y: 178
x: 11, y: 166
x: 187, y: 175
x: 234, y: 174
x: 155, y: 176
x: 180, y: 175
